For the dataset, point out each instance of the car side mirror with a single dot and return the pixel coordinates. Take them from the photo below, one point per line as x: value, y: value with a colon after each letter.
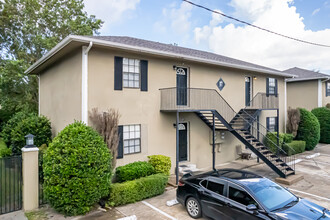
x: 252, y: 208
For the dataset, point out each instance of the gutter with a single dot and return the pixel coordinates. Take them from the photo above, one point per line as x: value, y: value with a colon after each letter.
x: 83, y: 39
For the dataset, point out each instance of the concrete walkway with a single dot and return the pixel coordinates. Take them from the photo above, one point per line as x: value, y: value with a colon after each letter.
x: 19, y: 215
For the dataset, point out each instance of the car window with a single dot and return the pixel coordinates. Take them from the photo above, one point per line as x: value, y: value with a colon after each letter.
x: 215, y: 187
x: 204, y: 183
x: 241, y: 196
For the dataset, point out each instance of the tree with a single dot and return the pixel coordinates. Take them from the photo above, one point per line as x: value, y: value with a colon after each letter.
x: 106, y: 124
x: 29, y: 28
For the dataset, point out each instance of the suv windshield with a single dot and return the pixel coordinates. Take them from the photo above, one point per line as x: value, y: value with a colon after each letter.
x: 271, y: 195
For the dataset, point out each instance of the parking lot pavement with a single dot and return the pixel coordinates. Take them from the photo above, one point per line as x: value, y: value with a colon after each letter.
x: 313, y: 165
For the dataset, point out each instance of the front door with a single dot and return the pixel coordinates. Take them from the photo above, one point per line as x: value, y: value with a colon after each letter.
x: 183, y: 142
x: 247, y: 90
x: 181, y: 84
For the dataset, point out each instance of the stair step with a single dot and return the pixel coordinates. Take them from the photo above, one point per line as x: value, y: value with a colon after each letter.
x: 289, y: 173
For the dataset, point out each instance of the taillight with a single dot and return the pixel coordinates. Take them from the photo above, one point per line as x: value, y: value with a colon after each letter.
x: 181, y: 183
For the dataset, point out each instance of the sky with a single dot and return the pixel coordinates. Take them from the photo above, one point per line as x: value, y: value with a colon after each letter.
x: 177, y: 22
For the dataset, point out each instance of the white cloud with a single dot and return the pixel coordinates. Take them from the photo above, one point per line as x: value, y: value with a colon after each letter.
x: 180, y: 18
x: 253, y: 45
x: 316, y: 11
x: 110, y: 11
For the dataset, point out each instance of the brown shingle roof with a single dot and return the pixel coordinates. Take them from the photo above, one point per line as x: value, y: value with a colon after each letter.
x: 304, y: 75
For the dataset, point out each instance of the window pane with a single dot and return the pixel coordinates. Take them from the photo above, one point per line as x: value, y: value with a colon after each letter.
x: 204, y: 183
x: 241, y: 197
x: 125, y: 128
x: 136, y: 84
x: 137, y: 62
x: 126, y: 136
x: 131, y: 134
x: 125, y: 83
x: 215, y: 187
x: 125, y: 150
x: 125, y: 61
x: 137, y: 134
x: 131, y: 142
x: 130, y: 84
x: 125, y: 76
x: 137, y: 127
x: 137, y: 148
x: 131, y: 127
x: 131, y: 149
x: 131, y: 69
x: 131, y: 62
x: 125, y: 68
x: 137, y: 142
x: 136, y: 76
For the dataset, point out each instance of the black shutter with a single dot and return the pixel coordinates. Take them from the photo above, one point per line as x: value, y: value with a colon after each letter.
x: 118, y: 73
x: 120, y: 144
x: 267, y: 87
x: 326, y: 89
x: 267, y: 123
x: 276, y: 88
x: 144, y: 75
x: 276, y: 124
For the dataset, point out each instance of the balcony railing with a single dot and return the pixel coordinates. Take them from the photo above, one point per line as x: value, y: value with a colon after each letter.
x: 263, y: 101
x: 173, y: 99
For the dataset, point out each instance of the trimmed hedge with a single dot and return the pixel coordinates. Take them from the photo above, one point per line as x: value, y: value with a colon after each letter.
x: 5, y: 152
x: 161, y: 163
x: 297, y: 146
x: 77, y: 169
x: 133, y: 171
x: 323, y: 116
x: 137, y: 190
x: 271, y: 140
x: 309, y: 129
x: 20, y: 125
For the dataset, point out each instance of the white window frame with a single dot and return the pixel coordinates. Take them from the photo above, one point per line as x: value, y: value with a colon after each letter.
x: 131, y: 73
x: 272, y: 86
x: 131, y: 139
x: 272, y: 126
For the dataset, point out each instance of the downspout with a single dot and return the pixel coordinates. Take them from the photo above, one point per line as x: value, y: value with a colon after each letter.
x: 39, y: 94
x: 84, y: 83
x: 285, y: 105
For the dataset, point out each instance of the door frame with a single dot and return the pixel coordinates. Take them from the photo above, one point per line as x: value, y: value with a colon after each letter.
x: 251, y: 88
x: 188, y: 141
x: 188, y: 81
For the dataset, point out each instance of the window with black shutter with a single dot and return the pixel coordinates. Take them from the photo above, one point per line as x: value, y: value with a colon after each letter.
x: 271, y: 86
x: 327, y: 89
x: 271, y: 123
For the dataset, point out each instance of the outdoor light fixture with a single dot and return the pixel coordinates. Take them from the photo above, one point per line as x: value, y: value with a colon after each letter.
x: 29, y: 141
x: 254, y: 77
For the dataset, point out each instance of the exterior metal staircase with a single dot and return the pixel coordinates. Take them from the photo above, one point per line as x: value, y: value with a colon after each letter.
x: 217, y: 114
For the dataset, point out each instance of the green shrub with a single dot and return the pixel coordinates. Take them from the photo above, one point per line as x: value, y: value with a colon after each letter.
x: 20, y: 125
x: 133, y: 171
x: 5, y: 152
x: 77, y: 169
x: 327, y: 105
x: 309, y: 129
x: 271, y: 140
x: 297, y: 146
x: 323, y: 116
x: 161, y: 163
x: 137, y: 190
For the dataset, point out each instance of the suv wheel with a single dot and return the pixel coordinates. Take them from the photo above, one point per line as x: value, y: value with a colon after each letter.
x: 193, y: 208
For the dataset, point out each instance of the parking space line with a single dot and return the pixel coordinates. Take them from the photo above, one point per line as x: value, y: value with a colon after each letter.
x: 320, y: 197
x: 158, y: 210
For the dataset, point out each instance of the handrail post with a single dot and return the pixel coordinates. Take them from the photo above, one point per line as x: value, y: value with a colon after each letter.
x: 278, y: 131
x: 177, y: 148
x: 213, y: 140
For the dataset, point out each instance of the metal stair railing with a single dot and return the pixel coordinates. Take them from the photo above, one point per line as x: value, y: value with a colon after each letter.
x: 263, y: 101
x: 197, y: 99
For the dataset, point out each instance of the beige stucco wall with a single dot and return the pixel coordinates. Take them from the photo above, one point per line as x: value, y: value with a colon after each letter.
x: 303, y: 94
x: 158, y: 133
x: 60, y: 91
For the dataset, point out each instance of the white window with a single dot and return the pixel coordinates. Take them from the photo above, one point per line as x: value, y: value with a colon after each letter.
x: 272, y: 124
x: 271, y: 86
x: 131, y: 73
x: 132, y: 139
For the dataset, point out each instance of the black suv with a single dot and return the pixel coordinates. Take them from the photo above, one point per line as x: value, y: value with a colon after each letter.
x: 236, y: 194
